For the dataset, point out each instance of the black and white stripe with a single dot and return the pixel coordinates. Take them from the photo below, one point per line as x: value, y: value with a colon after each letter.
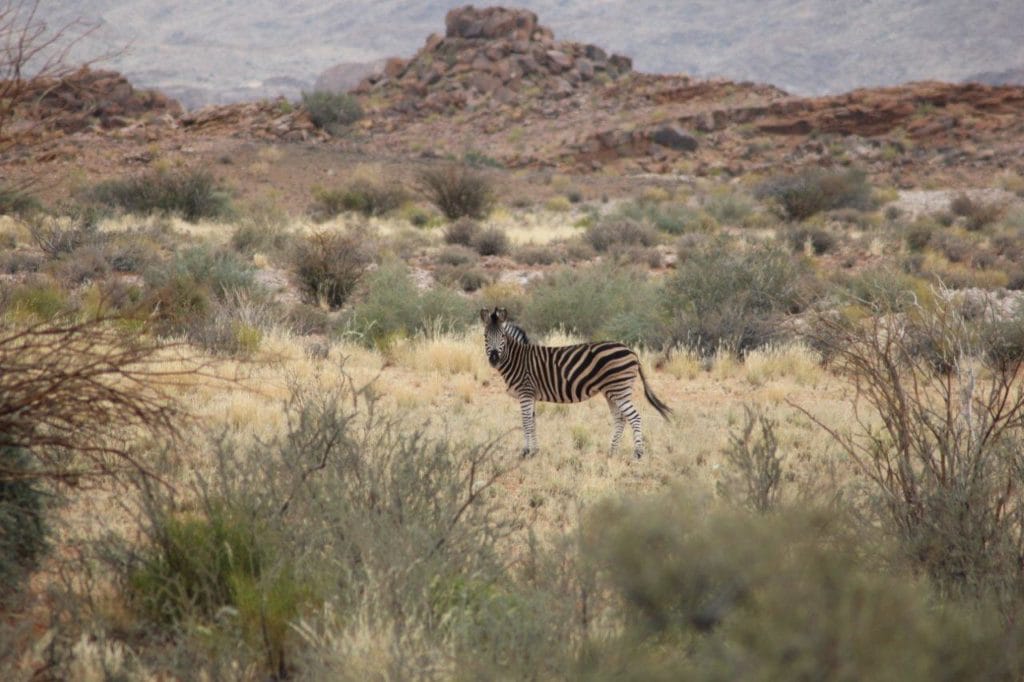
x: 566, y: 374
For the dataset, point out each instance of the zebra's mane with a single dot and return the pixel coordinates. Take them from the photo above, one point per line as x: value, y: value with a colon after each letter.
x: 514, y: 331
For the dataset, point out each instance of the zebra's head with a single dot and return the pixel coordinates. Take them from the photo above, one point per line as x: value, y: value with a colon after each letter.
x: 494, y: 333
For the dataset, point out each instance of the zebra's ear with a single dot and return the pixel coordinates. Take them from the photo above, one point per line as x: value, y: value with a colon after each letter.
x: 484, y: 315
x: 502, y: 315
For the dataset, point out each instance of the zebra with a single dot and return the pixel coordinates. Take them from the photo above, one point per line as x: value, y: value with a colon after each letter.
x: 566, y: 374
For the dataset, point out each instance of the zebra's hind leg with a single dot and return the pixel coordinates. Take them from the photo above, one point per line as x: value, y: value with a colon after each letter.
x: 629, y: 412
x: 620, y: 424
x: 527, y: 407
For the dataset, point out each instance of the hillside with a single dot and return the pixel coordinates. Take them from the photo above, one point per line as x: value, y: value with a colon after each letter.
x: 805, y: 47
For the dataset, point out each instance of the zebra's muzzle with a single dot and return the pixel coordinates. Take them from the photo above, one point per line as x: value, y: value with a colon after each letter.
x: 492, y: 357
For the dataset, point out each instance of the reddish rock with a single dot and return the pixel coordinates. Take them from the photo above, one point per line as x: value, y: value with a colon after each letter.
x: 394, y: 67
x: 558, y: 61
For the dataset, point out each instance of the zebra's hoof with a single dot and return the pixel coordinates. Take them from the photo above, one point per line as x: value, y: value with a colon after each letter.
x: 527, y: 452
x: 638, y: 454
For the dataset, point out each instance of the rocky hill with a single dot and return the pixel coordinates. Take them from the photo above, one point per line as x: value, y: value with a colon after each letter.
x: 498, y: 87
x: 217, y: 52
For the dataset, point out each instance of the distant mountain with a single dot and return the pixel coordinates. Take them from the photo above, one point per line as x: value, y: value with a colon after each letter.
x: 1007, y: 77
x: 226, y: 50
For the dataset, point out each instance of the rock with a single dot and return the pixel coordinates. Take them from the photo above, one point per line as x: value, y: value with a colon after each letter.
x: 620, y: 63
x: 585, y: 67
x: 558, y: 60
x: 674, y: 137
x: 394, y: 67
x: 560, y: 88
x: 484, y: 82
x: 595, y: 53
x: 490, y: 23
x: 434, y: 41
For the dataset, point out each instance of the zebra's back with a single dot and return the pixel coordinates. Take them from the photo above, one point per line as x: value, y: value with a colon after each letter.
x: 570, y: 374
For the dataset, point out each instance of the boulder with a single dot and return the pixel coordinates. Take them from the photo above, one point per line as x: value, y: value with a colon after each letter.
x: 674, y: 137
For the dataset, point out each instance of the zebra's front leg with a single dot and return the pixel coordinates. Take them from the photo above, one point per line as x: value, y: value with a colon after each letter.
x: 620, y: 425
x: 527, y: 407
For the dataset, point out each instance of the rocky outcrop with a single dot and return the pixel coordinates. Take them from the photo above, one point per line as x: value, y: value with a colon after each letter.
x: 86, y: 98
x: 276, y: 119
x: 492, y: 55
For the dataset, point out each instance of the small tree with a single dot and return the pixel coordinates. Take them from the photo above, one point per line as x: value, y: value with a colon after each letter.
x: 937, y: 429
x: 457, y: 191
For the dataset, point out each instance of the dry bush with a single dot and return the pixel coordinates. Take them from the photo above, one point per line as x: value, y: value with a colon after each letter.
x: 329, y: 265
x: 978, y: 214
x: 491, y: 242
x: 193, y: 194
x: 937, y: 428
x: 69, y: 390
x: 462, y: 232
x: 620, y: 232
x: 370, y: 196
x: 753, y: 455
x: 457, y: 191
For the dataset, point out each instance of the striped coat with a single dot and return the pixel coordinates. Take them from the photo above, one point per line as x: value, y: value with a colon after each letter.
x: 567, y: 374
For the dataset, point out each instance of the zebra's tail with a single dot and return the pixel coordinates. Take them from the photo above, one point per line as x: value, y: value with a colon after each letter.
x: 663, y: 409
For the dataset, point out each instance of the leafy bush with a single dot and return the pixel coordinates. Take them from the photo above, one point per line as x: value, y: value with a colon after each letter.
x: 729, y: 207
x: 261, y: 229
x: 721, y: 297
x: 329, y: 265
x: 390, y: 306
x: 193, y: 194
x: 332, y: 111
x: 800, y: 196
x: 821, y: 240
x: 664, y: 215
x: 462, y: 232
x: 538, y: 254
x: 597, y: 303
x: 608, y: 233
x: 457, y: 191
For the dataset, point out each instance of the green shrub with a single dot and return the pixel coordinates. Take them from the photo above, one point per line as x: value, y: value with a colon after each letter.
x: 261, y: 229
x: 608, y: 233
x: 17, y: 201
x: 755, y: 465
x: 920, y: 234
x: 59, y: 236
x: 362, y: 195
x: 332, y: 111
x: 23, y: 531
x: 491, y: 242
x: 800, y: 196
x: 726, y: 298
x: 775, y: 597
x: 193, y: 194
x: 466, y: 277
x: 457, y: 191
x: 597, y: 303
x: 38, y: 298
x: 329, y: 265
x: 666, y: 216
x: 391, y: 306
x: 729, y: 208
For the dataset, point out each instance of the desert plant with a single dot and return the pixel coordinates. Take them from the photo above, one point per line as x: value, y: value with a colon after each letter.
x: 23, y: 530
x: 59, y: 236
x: 461, y: 232
x: 945, y: 455
x: 370, y: 197
x: 17, y: 201
x: 539, y: 254
x: 608, y: 233
x: 329, y: 265
x: 722, y: 297
x: 820, y: 240
x: 332, y: 111
x: 603, y: 302
x: 457, y: 191
x: 193, y: 194
x: 755, y: 462
x: 456, y: 255
x: 800, y: 196
x: 491, y: 242
x: 390, y: 306
x: 978, y: 214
